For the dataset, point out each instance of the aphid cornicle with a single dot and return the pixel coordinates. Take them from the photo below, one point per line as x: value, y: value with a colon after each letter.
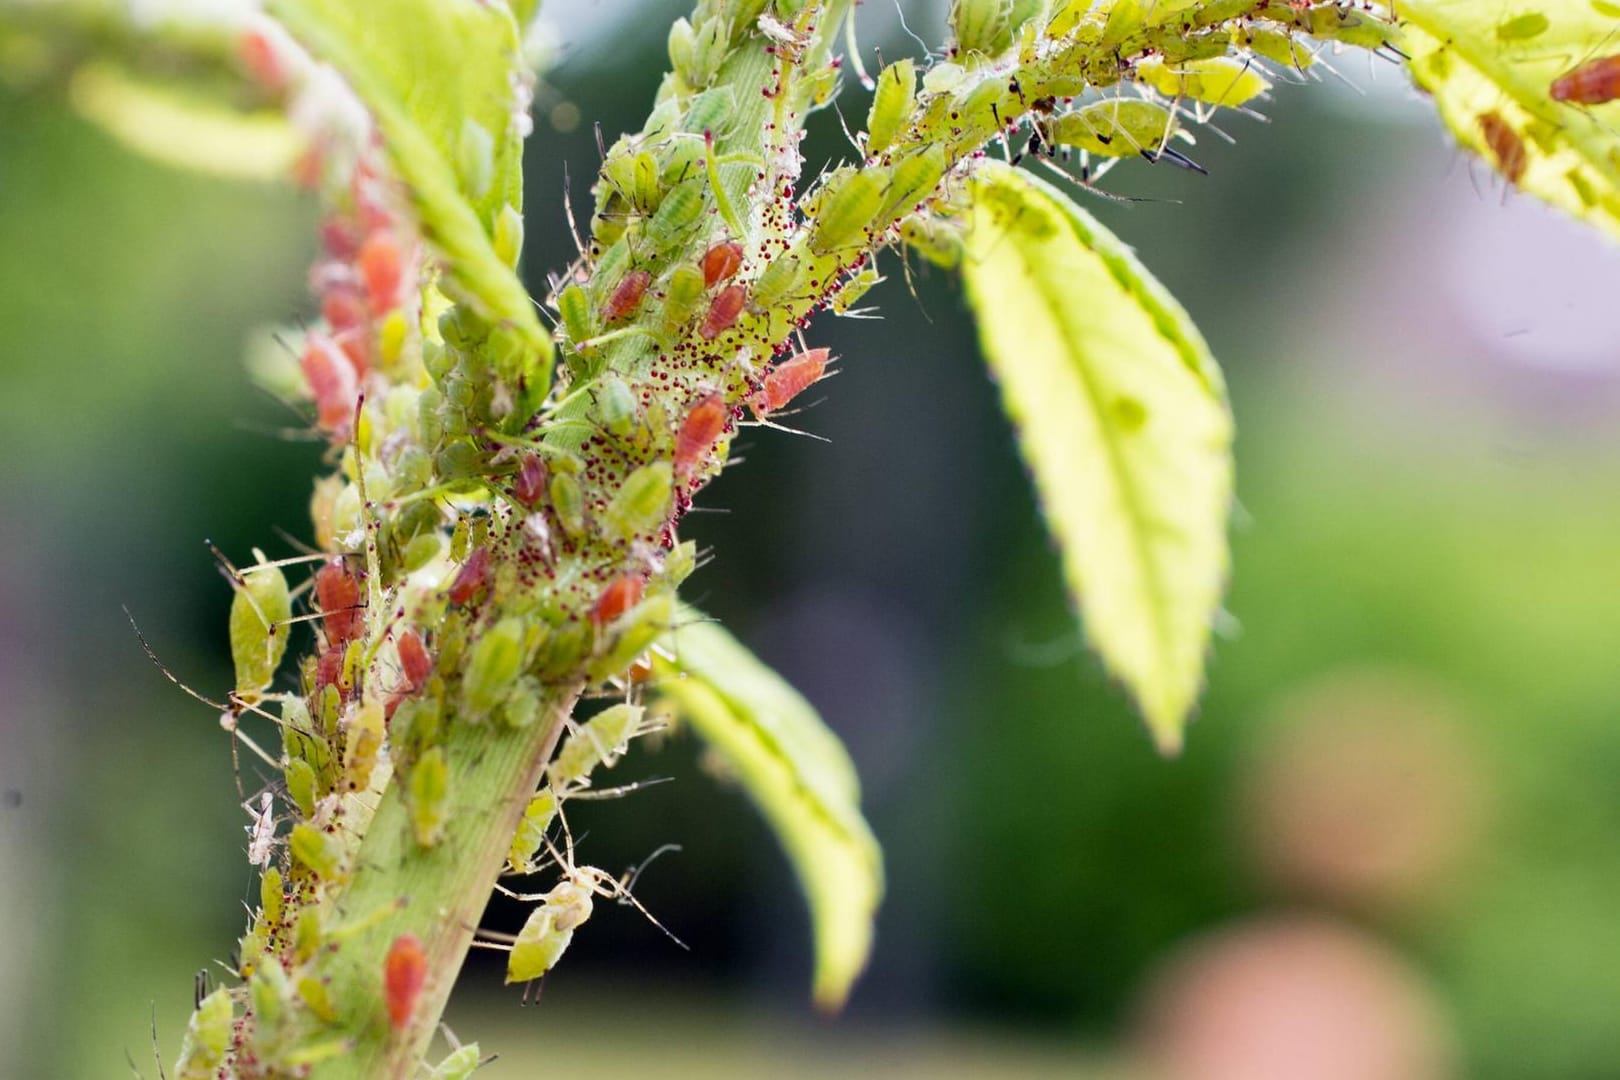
x: 1595, y: 82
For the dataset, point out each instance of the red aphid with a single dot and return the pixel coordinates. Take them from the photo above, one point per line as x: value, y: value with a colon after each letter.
x: 702, y: 426
x: 338, y: 594
x: 1593, y: 83
x: 356, y: 345
x: 414, y: 660
x: 721, y: 263
x: 620, y: 596
x: 382, y: 270
x: 329, y: 670
x: 631, y: 288
x: 723, y: 311
x: 788, y: 380
x: 404, y: 975
x: 529, y: 487
x: 340, y: 238
x: 343, y: 308
x: 333, y: 383
x: 473, y: 577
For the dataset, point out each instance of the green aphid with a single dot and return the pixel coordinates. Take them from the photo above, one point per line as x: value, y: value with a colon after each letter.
x: 459, y: 1065
x: 1066, y: 16
x: 710, y: 44
x: 531, y: 831
x: 428, y: 796
x: 258, y: 627
x: 313, y: 993
x: 682, y: 157
x: 547, y: 932
x: 561, y: 652
x: 679, y: 563
x: 981, y: 26
x: 639, y: 628
x: 272, y: 900
x: 475, y: 158
x: 846, y: 211
x: 508, y: 238
x: 982, y: 106
x: 1522, y: 27
x: 309, y: 932
x: 497, y: 658
x: 780, y: 279
x: 681, y: 44
x: 208, y: 1036
x: 301, y: 785
x: 1279, y: 46
x: 575, y: 308
x: 682, y: 293
x: 854, y: 289
x: 615, y: 404
x: 1125, y: 17
x: 912, y: 180
x: 1120, y: 127
x: 1223, y: 80
x: 892, y: 104
x: 600, y: 741
x: 711, y: 112
x: 318, y: 851
x: 647, y: 182
x: 680, y: 210
x: 642, y: 502
x: 569, y: 503
x: 935, y: 239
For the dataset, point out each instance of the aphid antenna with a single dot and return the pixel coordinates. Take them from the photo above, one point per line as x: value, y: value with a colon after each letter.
x: 900, y: 10
x: 621, y: 790
x: 129, y: 1059
x: 853, y: 50
x: 293, y: 542
x: 200, y: 987
x: 167, y: 674
x: 303, y: 433
x: 843, y: 123
x: 568, y: 209
x: 627, y: 881
x: 785, y: 429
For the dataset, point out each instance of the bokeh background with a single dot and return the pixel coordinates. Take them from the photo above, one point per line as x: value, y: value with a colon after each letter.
x: 1391, y: 849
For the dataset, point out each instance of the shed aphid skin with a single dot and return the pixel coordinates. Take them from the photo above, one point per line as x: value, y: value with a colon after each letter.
x: 262, y: 831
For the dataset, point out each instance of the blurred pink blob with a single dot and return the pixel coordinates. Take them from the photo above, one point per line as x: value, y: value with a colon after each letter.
x: 1365, y: 792
x: 1291, y: 999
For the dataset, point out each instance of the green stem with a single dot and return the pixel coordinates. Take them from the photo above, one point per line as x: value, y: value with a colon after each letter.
x: 442, y: 890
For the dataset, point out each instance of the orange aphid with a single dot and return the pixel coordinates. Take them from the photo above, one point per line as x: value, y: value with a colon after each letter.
x: 260, y: 56
x: 404, y: 975
x: 356, y: 345
x: 789, y: 379
x: 723, y: 311
x: 631, y: 288
x: 329, y: 670
x: 620, y: 596
x: 1593, y: 83
x: 338, y: 594
x: 333, y: 383
x: 381, y: 269
x: 1505, y: 144
x: 721, y: 262
x: 414, y: 660
x: 474, y: 575
x: 343, y: 308
x: 702, y: 426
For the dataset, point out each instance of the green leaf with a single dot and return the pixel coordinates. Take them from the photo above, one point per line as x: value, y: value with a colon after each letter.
x: 801, y: 778
x: 440, y: 79
x: 1491, y: 68
x: 1121, y: 415
x: 182, y: 128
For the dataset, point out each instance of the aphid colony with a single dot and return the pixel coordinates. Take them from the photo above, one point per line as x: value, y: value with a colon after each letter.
x: 491, y: 541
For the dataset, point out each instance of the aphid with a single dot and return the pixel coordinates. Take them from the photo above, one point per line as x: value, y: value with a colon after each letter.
x: 333, y: 383
x: 529, y: 486
x: 472, y: 578
x: 362, y: 743
x: 404, y: 976
x: 649, y: 621
x: 845, y: 210
x: 272, y: 900
x: 496, y: 659
x: 780, y: 278
x: 320, y: 851
x: 678, y: 212
x: 980, y: 26
x: 460, y: 1064
x: 615, y: 404
x: 892, y: 103
x: 427, y: 792
x: 569, y: 503
x: 531, y: 831
x: 1522, y: 27
x: 381, y: 270
x: 1222, y: 80
x: 1278, y: 46
x: 414, y: 660
x: 343, y: 308
x: 260, y: 609
x: 851, y: 291
x: 681, y: 295
x: 712, y: 112
x: 788, y: 380
x: 508, y: 239
x: 208, y: 1034
x: 262, y: 832
x: 721, y: 263
x: 626, y: 295
x: 575, y: 308
x: 723, y: 311
x: 698, y: 433
x: 913, y: 179
x: 642, y: 502
x: 1505, y: 145
x: 338, y: 595
x: 620, y: 595
x: 600, y: 741
x: 1116, y: 128
x: 1592, y: 83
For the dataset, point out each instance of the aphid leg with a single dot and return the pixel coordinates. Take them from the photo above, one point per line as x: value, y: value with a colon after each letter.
x: 853, y: 49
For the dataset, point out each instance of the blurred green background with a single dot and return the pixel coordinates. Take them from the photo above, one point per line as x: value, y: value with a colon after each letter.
x: 1396, y: 827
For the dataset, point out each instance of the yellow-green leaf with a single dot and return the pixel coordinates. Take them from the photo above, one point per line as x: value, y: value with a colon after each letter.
x: 1121, y: 415
x: 180, y: 127
x: 432, y: 73
x: 801, y: 778
x: 1491, y: 68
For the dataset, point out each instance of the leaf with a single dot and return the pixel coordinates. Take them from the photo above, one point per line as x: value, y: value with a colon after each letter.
x: 801, y: 778
x: 441, y: 79
x: 1491, y: 68
x: 184, y: 129
x: 1121, y: 416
